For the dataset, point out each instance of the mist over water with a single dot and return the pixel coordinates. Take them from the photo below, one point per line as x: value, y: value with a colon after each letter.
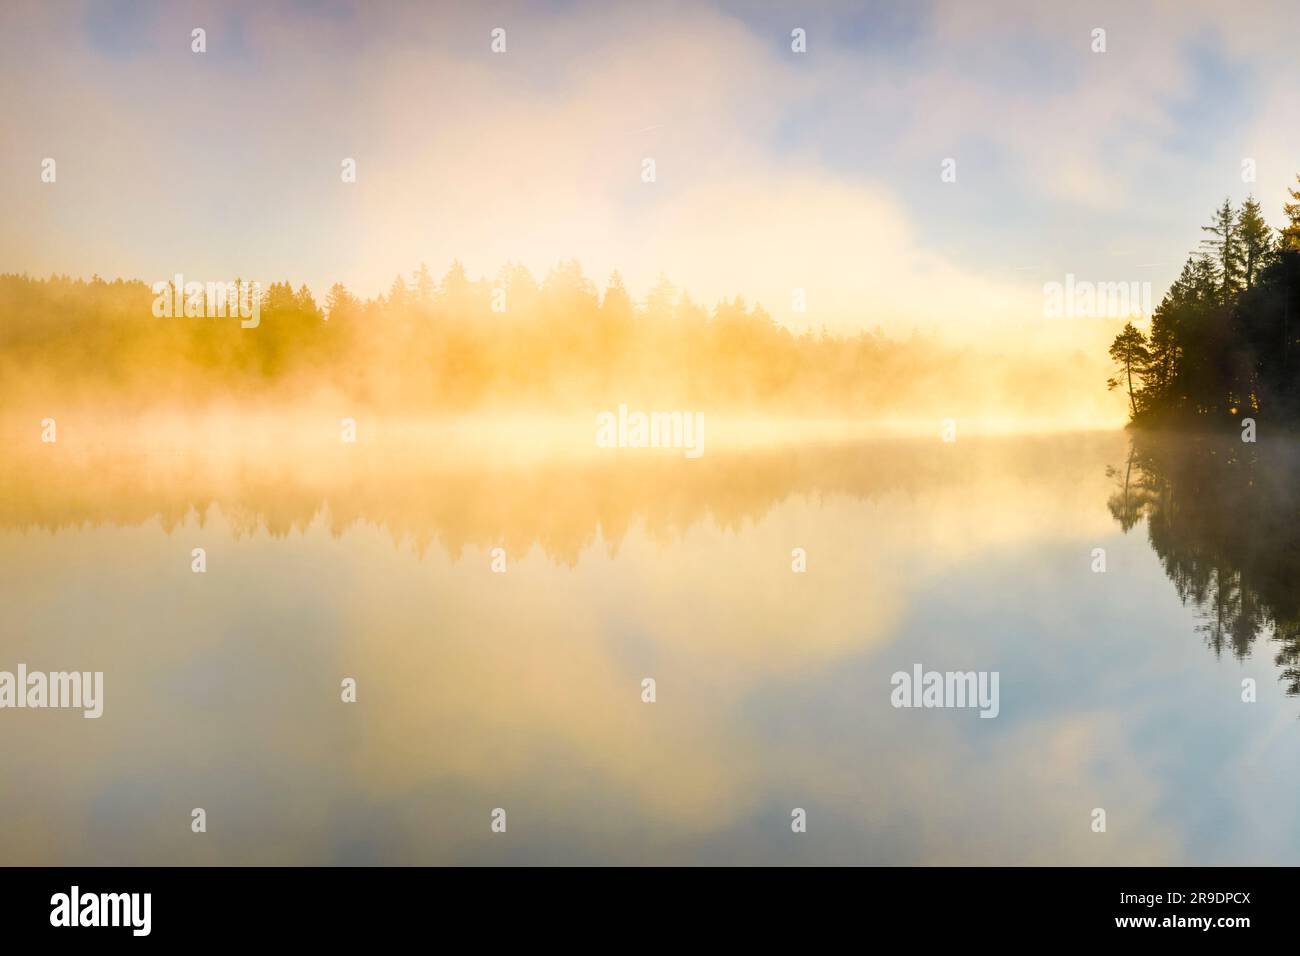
x: 522, y: 689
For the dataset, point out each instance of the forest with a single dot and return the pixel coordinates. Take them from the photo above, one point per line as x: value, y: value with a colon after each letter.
x: 505, y: 343
x: 1220, y: 342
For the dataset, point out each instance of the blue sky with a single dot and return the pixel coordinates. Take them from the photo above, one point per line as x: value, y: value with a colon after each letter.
x: 774, y: 170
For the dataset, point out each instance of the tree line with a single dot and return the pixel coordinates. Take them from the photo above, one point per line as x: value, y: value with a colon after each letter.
x: 1224, y: 342
x: 502, y: 343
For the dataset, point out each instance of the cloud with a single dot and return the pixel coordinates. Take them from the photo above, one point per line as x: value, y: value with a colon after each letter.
x: 774, y: 171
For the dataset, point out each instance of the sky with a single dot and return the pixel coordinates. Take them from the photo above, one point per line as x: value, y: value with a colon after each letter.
x: 774, y: 170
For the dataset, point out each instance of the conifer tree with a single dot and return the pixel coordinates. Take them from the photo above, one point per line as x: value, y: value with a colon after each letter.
x: 1256, y: 240
x: 1225, y: 250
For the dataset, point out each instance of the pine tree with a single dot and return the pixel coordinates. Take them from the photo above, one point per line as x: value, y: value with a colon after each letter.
x: 340, y: 303
x: 1131, y: 355
x: 1291, y: 232
x: 1256, y: 240
x: 423, y: 285
x: 1225, y: 249
x: 398, y: 294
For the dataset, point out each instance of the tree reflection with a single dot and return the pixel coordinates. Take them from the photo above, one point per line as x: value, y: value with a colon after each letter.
x: 1221, y: 515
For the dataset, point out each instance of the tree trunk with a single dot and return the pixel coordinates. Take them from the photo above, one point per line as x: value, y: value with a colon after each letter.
x: 1128, y: 368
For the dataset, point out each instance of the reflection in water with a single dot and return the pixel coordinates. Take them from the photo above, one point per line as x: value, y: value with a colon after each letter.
x: 522, y: 690
x: 1221, y: 515
x: 456, y: 502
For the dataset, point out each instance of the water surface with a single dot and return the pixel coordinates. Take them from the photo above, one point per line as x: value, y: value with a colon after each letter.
x: 522, y: 690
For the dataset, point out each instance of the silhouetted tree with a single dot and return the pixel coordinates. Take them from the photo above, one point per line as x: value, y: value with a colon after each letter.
x: 1225, y: 250
x: 1222, y: 338
x: 1256, y: 240
x: 1129, y: 352
x: 1291, y: 231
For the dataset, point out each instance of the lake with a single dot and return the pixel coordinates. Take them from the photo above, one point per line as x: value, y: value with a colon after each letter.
x: 522, y: 689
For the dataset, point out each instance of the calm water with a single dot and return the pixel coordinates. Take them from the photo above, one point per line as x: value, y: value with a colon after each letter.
x: 477, y: 690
